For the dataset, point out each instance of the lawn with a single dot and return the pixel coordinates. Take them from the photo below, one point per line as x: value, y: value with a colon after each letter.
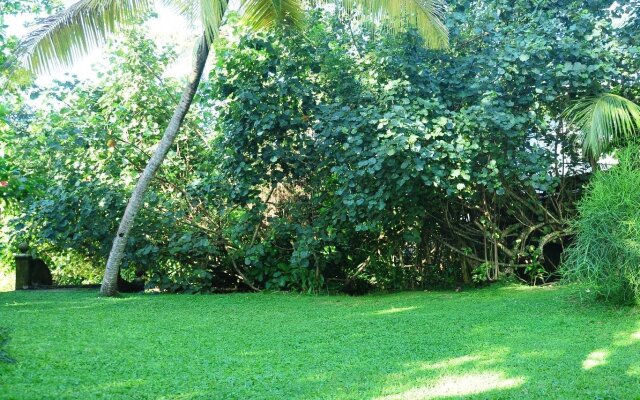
x: 509, y: 342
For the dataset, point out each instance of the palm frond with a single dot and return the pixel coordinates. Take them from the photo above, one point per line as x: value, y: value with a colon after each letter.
x: 603, y: 121
x: 62, y: 38
x: 261, y: 14
x: 189, y: 9
x: 212, y: 14
x: 207, y: 15
x: 426, y: 16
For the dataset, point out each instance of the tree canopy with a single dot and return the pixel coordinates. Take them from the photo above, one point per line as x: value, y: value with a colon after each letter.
x: 343, y: 159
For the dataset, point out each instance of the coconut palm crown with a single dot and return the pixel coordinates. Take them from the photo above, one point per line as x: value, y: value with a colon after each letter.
x: 61, y: 39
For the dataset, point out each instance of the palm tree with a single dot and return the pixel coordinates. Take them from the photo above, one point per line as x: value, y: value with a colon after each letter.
x: 604, y: 121
x: 61, y: 39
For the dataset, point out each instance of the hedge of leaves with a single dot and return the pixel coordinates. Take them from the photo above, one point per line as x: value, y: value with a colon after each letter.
x: 340, y: 160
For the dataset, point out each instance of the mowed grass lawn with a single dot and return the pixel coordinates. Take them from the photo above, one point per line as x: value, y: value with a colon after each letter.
x: 497, y: 343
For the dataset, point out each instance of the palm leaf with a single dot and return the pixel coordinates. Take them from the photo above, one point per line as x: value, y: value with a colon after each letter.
x: 189, y: 9
x: 425, y: 15
x: 212, y: 14
x: 62, y: 38
x: 603, y: 121
x: 261, y: 14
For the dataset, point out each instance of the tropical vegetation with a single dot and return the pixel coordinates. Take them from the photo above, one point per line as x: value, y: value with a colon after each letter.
x: 352, y: 159
x: 468, y: 169
x: 348, y: 160
x: 62, y: 36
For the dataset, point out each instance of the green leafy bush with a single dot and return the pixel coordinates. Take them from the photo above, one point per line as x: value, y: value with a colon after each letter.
x: 605, y: 256
x: 348, y: 160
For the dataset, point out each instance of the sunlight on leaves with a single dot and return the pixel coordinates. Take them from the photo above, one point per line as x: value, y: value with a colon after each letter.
x: 7, y: 282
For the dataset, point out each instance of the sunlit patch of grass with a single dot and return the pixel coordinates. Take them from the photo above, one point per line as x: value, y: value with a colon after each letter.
x: 595, y: 359
x: 634, y: 371
x: 459, y: 385
x: 502, y: 342
x: 624, y: 339
x: 394, y: 310
x: 454, y: 362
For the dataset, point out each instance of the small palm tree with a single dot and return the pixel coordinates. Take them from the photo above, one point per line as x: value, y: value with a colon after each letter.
x: 61, y: 39
x: 604, y: 121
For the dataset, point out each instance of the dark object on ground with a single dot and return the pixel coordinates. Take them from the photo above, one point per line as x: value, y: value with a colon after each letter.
x: 552, y: 253
x: 130, y: 287
x: 357, y: 287
x: 39, y: 273
x: 4, y: 339
x: 31, y: 272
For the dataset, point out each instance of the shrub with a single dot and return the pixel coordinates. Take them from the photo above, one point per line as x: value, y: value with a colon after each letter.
x: 306, y: 164
x: 605, y: 256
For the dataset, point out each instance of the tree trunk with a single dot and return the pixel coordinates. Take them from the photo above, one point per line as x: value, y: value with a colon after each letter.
x: 110, y: 280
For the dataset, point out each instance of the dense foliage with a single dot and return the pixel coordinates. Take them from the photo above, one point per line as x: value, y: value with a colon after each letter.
x: 83, y: 151
x: 431, y: 167
x: 344, y: 159
x: 15, y: 82
x: 606, y: 254
x: 604, y: 257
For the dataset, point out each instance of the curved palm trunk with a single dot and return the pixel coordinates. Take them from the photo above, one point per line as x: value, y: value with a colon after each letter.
x: 110, y: 281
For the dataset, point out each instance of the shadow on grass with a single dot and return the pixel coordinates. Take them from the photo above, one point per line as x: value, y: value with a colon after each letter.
x: 4, y: 340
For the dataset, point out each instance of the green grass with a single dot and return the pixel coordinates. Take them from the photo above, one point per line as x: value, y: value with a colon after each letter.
x: 513, y: 342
